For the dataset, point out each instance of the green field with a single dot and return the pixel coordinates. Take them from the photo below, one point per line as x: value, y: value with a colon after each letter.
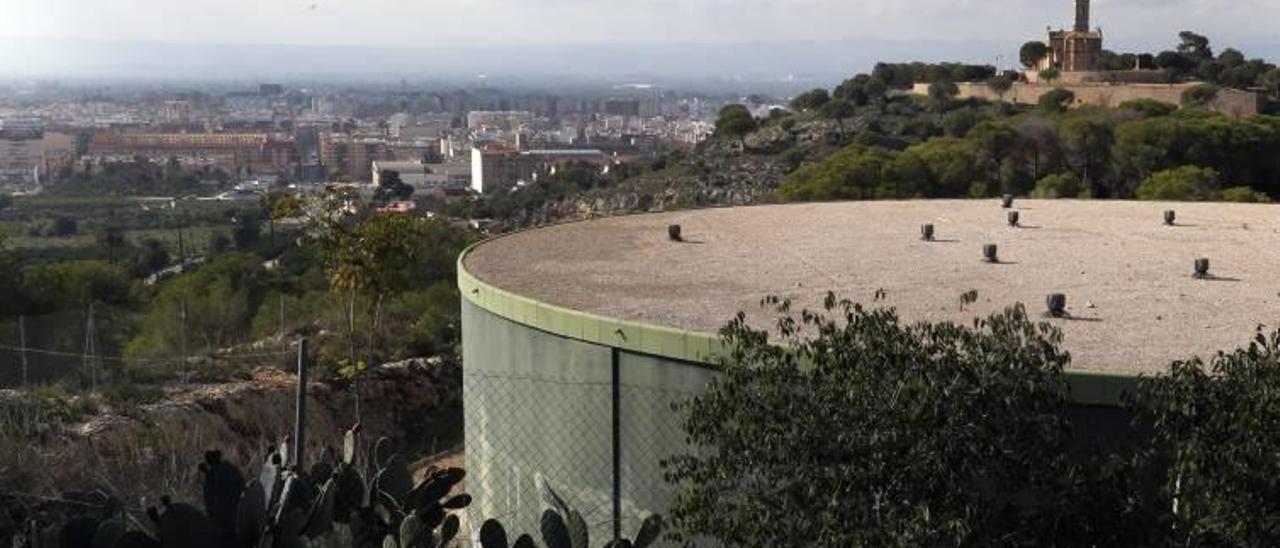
x: 139, y: 221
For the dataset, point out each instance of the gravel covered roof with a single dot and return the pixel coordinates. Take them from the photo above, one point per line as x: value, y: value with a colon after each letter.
x: 1134, y: 305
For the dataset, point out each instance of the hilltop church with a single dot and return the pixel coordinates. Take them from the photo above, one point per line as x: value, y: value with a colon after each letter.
x: 1077, y: 55
x: 1075, y: 50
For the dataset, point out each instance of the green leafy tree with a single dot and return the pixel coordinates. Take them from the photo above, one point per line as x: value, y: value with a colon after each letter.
x: 208, y: 308
x: 953, y: 164
x: 219, y: 242
x: 150, y: 257
x: 1058, y: 185
x: 1041, y: 145
x: 995, y: 143
x: 1240, y: 194
x: 735, y: 122
x: 1235, y: 148
x: 73, y: 285
x: 247, y: 230
x: 391, y: 187
x: 854, y: 90
x: 1195, y: 46
x: 1212, y: 446
x: 368, y: 259
x: 1181, y: 183
x: 1149, y: 108
x: 942, y: 93
x: 1032, y: 52
x: 1231, y: 58
x: 810, y: 100
x: 1050, y: 74
x: 855, y: 172
x: 282, y: 206
x: 12, y: 298
x: 957, y: 123
x: 1271, y: 81
x: 1176, y: 65
x: 1057, y: 100
x: 858, y: 430
x: 286, y: 206
x: 838, y: 110
x: 876, y: 89
x: 112, y: 238
x: 1000, y: 85
x: 1200, y: 95
x: 1088, y: 142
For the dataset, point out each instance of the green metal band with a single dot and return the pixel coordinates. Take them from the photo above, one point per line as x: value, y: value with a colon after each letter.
x: 690, y: 346
x: 1087, y: 387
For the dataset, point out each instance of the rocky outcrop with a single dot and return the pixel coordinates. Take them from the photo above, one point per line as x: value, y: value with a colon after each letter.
x: 707, y: 180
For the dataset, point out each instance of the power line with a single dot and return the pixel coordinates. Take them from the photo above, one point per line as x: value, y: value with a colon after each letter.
x: 59, y: 353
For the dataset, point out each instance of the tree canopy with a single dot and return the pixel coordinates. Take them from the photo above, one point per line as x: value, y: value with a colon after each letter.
x: 735, y: 122
x: 856, y: 429
x: 1032, y: 52
x: 810, y: 100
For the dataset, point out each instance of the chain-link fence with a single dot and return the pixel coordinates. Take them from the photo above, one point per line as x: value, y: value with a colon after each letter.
x: 86, y: 351
x: 596, y: 432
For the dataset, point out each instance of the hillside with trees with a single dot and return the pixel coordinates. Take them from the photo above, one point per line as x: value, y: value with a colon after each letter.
x: 870, y: 138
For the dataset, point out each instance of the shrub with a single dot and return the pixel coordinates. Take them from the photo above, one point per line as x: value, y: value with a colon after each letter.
x: 1058, y: 100
x: 958, y: 123
x: 1181, y: 183
x: 792, y: 158
x: 810, y: 100
x: 887, y: 435
x: 1058, y: 185
x: 1149, y: 108
x: 1214, y: 445
x: 127, y: 395
x: 1200, y: 95
x: 1242, y: 194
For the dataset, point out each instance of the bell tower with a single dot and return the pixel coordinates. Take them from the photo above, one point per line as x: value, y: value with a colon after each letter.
x: 1082, y: 16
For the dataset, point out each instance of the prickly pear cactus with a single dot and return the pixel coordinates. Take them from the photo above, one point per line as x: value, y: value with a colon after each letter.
x: 251, y: 513
x: 223, y: 484
x: 320, y: 518
x: 493, y: 535
x: 412, y: 533
x: 183, y: 525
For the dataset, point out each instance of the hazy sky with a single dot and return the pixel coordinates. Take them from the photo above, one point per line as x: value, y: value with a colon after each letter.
x: 1128, y: 23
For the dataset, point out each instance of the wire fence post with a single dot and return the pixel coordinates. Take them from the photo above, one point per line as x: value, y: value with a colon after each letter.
x: 182, y: 340
x: 616, y: 449
x: 300, y: 423
x: 22, y: 341
x: 91, y: 351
